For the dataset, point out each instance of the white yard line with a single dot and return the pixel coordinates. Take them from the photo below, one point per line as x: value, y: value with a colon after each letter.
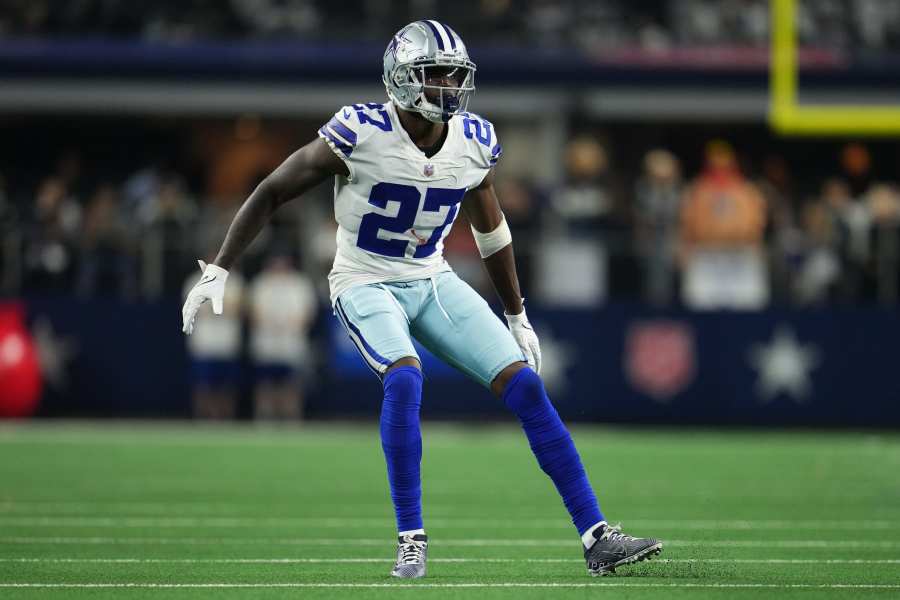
x: 341, y: 522
x: 468, y: 542
x: 398, y: 586
x: 274, y: 561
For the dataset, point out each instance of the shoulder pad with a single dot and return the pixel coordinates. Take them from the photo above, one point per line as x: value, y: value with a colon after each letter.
x: 370, y: 113
x: 341, y: 132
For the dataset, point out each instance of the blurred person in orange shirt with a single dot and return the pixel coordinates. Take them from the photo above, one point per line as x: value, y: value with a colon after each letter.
x: 723, y: 220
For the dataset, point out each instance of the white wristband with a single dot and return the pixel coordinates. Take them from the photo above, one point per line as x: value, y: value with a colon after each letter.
x: 214, y: 271
x: 518, y: 319
x: 492, y: 241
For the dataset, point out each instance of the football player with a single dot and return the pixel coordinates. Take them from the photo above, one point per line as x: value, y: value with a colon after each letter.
x: 402, y: 171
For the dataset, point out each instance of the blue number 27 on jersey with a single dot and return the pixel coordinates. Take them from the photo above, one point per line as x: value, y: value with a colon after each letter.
x: 408, y: 197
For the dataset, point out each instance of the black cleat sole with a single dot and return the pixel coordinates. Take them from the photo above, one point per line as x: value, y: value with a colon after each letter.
x: 645, y: 554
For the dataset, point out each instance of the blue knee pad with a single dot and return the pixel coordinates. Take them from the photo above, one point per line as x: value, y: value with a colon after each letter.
x: 401, y: 441
x: 552, y: 446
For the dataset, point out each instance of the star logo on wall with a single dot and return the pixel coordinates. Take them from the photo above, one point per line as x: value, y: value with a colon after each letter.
x: 784, y: 366
x: 556, y: 357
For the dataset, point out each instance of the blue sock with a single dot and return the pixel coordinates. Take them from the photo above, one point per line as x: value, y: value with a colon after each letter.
x: 401, y: 441
x: 552, y: 445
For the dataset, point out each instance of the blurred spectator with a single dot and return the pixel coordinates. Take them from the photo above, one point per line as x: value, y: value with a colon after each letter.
x: 853, y: 223
x: 139, y: 195
x: 49, y: 247
x: 782, y: 231
x: 69, y: 170
x: 573, y: 241
x: 818, y: 264
x: 519, y: 204
x: 548, y: 22
x: 168, y: 242
x: 657, y: 208
x: 884, y: 205
x: 106, y: 266
x: 498, y: 20
x: 603, y: 25
x: 10, y: 241
x: 856, y: 162
x: 55, y: 208
x: 722, y: 221
x: 8, y: 212
x: 278, y: 17
x: 593, y: 25
x: 586, y: 201
x: 214, y: 349
x: 776, y: 186
x: 283, y: 307
x: 877, y: 23
x: 178, y: 21
x: 572, y: 266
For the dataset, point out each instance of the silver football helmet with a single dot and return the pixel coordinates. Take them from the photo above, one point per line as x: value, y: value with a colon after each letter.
x: 421, y: 59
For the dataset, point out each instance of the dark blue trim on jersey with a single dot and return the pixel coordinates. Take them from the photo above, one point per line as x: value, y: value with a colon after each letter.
x: 450, y: 34
x: 496, y: 153
x: 437, y: 35
x: 343, y: 147
x: 369, y: 350
x: 342, y: 130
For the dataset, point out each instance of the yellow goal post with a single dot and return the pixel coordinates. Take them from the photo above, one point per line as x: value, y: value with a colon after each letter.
x: 788, y: 117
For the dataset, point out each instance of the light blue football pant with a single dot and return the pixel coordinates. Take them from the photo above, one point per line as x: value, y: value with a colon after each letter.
x: 442, y: 313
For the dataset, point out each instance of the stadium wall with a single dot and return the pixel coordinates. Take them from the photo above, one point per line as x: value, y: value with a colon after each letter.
x: 624, y: 363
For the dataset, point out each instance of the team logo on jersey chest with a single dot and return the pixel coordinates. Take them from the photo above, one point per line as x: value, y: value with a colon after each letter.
x: 428, y: 170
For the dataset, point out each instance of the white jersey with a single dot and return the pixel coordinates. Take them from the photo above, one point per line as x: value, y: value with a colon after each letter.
x: 283, y: 305
x: 397, y: 205
x: 219, y: 338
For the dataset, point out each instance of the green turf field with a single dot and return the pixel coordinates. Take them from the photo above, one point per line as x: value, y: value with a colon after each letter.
x: 145, y: 511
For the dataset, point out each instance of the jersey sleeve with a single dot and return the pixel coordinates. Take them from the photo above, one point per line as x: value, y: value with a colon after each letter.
x: 342, y: 135
x: 482, y: 138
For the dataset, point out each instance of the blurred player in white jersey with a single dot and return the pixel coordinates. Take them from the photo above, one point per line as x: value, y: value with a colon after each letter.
x: 282, y: 305
x: 215, y: 354
x: 402, y: 172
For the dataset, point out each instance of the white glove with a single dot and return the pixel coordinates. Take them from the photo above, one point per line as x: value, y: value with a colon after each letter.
x: 210, y: 287
x: 527, y: 339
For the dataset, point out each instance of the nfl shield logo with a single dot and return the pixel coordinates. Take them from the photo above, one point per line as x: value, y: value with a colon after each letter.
x: 429, y: 170
x: 660, y: 358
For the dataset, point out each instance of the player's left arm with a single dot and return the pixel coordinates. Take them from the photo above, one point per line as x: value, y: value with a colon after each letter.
x: 494, y: 241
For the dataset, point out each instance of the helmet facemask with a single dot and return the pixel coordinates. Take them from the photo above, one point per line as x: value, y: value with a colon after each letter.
x: 437, y: 90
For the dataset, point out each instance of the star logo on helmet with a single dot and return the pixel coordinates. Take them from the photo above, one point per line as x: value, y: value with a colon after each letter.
x: 396, y: 42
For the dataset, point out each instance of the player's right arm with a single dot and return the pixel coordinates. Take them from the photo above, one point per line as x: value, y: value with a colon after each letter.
x: 303, y: 170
